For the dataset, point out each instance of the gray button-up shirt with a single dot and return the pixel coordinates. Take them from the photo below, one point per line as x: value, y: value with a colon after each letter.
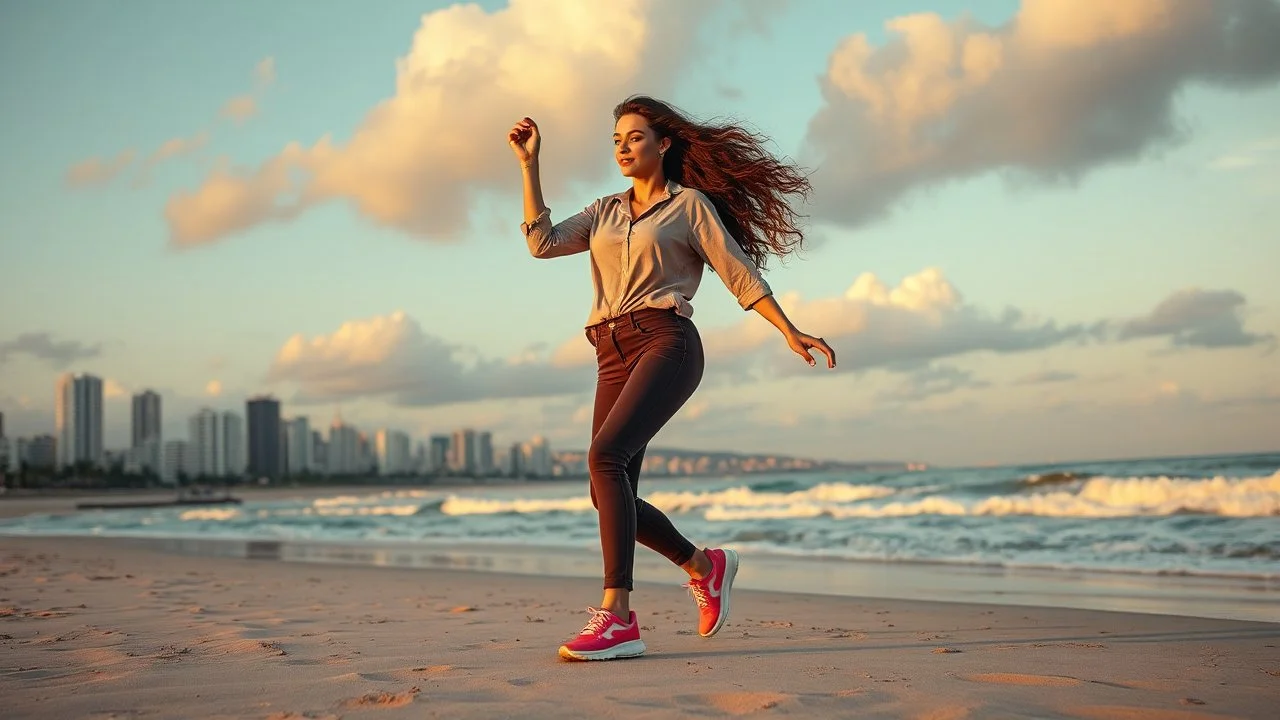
x: 654, y: 260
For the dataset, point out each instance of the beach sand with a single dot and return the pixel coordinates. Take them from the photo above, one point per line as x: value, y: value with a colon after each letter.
x: 94, y: 628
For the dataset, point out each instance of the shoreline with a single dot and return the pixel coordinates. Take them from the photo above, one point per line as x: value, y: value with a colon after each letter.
x: 1179, y: 595
x: 100, y: 629
x: 1249, y: 597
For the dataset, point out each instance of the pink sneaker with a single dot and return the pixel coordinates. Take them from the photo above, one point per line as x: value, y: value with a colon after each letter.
x: 712, y: 592
x: 605, y: 637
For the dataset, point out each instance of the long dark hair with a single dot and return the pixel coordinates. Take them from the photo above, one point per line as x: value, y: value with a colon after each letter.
x: 747, y: 185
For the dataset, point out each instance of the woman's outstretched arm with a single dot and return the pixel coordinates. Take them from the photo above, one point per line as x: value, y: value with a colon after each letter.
x: 770, y: 310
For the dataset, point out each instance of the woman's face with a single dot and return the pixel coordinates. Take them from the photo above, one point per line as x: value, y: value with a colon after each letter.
x: 636, y: 147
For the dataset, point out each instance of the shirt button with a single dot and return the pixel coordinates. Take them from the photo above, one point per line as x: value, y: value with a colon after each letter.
x: 611, y: 325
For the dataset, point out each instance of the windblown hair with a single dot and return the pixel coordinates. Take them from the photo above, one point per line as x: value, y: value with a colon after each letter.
x: 747, y: 185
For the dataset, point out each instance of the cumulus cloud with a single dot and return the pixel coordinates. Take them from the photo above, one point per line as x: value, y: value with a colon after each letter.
x: 99, y: 171
x: 391, y: 357
x: 871, y: 325
x: 42, y: 346
x: 923, y: 318
x: 930, y: 381
x: 1196, y: 318
x: 231, y: 200
x: 1061, y: 89
x: 420, y: 156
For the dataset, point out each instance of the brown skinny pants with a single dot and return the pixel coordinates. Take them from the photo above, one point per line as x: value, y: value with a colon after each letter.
x: 650, y: 363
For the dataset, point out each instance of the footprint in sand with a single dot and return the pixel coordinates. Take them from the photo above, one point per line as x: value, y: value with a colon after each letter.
x: 733, y: 703
x: 381, y: 700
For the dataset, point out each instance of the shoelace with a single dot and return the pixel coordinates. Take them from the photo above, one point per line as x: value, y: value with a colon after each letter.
x: 699, y: 593
x: 599, y: 618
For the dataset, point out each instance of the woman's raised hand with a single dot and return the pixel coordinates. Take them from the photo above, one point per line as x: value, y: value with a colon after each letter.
x: 525, y: 140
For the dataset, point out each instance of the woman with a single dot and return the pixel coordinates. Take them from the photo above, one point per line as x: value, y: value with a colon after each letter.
x: 700, y: 195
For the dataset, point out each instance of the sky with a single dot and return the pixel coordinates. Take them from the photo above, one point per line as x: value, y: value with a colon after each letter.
x: 1040, y: 231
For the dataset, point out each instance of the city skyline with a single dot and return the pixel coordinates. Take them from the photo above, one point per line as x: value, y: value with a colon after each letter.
x: 215, y: 443
x: 1088, y: 275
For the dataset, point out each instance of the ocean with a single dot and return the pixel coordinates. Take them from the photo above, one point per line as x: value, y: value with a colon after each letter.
x: 1191, y: 516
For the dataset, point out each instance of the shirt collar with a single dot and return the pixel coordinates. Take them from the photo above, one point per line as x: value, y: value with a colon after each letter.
x: 673, y: 188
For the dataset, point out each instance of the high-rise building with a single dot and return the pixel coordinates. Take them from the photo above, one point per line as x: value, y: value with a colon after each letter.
x: 78, y: 418
x: 319, y: 453
x: 484, y: 453
x: 515, y: 460
x: 298, y: 446
x: 264, y: 437
x: 40, y: 451
x: 1, y: 424
x: 393, y: 452
x: 234, y: 461
x: 177, y: 463
x: 208, y: 456
x: 344, y: 449
x: 463, y: 452
x: 146, y: 417
x: 438, y: 460
x: 366, y: 458
x: 537, y: 457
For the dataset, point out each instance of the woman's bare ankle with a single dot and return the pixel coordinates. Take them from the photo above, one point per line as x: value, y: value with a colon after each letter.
x: 699, y: 566
x: 618, y: 602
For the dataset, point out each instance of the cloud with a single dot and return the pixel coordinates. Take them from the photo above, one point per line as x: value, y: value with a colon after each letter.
x: 240, y: 108
x: 230, y: 201
x: 871, y: 325
x: 930, y: 381
x: 59, y: 354
x: 1195, y: 318
x: 1061, y: 89
x: 113, y: 390
x: 754, y: 17
x: 391, y: 357
x: 264, y: 73
x: 420, y: 157
x: 97, y: 171
x: 923, y: 318
x: 1047, y: 377
x: 1250, y: 155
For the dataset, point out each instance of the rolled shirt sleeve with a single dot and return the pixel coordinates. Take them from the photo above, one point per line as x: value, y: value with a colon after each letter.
x: 569, y: 236
x: 711, y: 241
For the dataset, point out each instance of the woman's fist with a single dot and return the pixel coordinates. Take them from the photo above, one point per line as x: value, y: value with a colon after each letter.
x: 524, y: 140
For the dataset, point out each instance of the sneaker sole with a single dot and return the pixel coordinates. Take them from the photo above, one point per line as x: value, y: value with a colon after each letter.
x: 730, y: 572
x: 628, y: 649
